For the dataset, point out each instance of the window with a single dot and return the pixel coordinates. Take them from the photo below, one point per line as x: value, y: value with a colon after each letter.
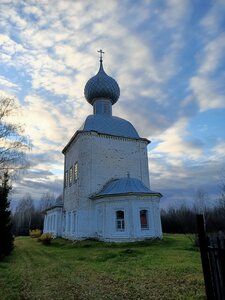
x: 66, y: 179
x: 120, y: 226
x: 54, y: 225
x: 144, y: 219
x: 64, y: 222
x: 74, y: 222
x: 105, y: 108
x: 69, y: 222
x: 75, y: 171
x: 71, y: 176
x: 50, y: 222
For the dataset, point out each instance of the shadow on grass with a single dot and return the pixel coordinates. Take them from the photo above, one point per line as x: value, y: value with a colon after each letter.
x: 63, y: 243
x: 168, y: 241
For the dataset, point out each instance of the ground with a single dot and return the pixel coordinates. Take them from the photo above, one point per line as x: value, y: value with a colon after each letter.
x: 168, y: 269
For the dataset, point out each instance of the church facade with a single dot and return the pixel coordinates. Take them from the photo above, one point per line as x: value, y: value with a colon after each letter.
x: 106, y: 192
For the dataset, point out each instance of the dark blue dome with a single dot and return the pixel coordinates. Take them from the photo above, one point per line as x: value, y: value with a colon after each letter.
x: 101, y: 86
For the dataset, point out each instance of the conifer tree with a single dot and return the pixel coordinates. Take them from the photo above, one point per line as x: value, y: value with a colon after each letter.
x: 6, y: 237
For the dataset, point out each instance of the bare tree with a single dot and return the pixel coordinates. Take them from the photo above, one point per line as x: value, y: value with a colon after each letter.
x: 222, y: 189
x: 13, y: 143
x: 46, y: 201
x: 23, y: 215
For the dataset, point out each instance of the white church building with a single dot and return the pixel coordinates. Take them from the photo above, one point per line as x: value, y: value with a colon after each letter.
x: 106, y: 192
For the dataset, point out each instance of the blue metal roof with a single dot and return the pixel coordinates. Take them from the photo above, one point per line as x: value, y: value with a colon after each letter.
x: 123, y: 186
x: 109, y: 125
x: 57, y: 203
x: 101, y: 86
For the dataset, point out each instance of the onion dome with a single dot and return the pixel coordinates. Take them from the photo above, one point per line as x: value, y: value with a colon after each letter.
x: 101, y: 86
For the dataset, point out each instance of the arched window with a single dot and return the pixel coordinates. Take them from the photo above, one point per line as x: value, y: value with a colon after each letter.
x: 64, y: 222
x: 69, y: 222
x: 48, y: 222
x: 51, y: 222
x: 144, y: 218
x: 54, y: 225
x: 120, y: 225
x: 74, y: 222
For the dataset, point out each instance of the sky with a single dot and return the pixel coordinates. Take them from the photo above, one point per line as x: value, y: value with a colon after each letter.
x: 168, y: 58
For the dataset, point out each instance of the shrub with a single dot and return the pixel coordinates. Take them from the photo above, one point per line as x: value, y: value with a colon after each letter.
x: 35, y: 233
x: 46, y: 238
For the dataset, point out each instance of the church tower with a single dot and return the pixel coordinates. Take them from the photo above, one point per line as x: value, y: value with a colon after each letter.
x: 107, y: 192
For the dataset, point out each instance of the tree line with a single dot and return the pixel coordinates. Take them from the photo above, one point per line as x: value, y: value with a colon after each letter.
x: 182, y: 219
x: 28, y: 215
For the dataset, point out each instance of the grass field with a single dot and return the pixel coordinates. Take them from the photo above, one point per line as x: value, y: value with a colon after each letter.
x: 168, y: 269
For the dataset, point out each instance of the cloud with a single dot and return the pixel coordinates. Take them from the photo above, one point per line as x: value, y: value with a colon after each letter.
x: 212, y: 22
x: 175, y: 12
x: 9, y: 47
x: 214, y: 53
x: 166, y: 75
x: 208, y: 83
x: 174, y: 142
x: 45, y: 121
x: 209, y: 93
x: 7, y: 84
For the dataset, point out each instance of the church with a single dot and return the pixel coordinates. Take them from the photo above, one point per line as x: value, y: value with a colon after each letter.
x: 106, y: 193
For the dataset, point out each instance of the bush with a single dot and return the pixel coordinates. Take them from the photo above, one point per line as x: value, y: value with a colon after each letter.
x: 35, y: 233
x: 46, y: 238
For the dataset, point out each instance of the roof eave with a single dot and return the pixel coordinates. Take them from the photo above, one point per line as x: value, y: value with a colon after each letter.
x: 55, y: 206
x: 125, y: 194
x: 100, y: 133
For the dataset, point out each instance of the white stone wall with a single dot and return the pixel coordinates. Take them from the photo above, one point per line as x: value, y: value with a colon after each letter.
x: 102, y: 219
x: 71, y: 193
x: 53, y: 221
x: 131, y: 205
x: 102, y: 158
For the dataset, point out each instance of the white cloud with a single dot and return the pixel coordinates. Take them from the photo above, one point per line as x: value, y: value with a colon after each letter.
x: 207, y: 84
x: 175, y: 13
x: 214, y: 54
x: 212, y: 21
x: 173, y: 143
x: 208, y: 92
x: 45, y: 123
x: 53, y: 48
x: 8, y: 84
x: 33, y: 10
x: 9, y: 46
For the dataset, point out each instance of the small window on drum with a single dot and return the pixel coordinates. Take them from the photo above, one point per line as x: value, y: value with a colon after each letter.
x: 105, y: 108
x: 120, y: 224
x: 144, y: 219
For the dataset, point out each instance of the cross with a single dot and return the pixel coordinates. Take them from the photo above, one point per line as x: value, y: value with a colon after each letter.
x: 101, y: 52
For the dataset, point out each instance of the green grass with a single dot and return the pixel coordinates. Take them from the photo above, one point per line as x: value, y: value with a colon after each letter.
x: 168, y: 269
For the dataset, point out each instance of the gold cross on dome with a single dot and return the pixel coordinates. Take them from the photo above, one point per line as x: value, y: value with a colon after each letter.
x: 101, y: 52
